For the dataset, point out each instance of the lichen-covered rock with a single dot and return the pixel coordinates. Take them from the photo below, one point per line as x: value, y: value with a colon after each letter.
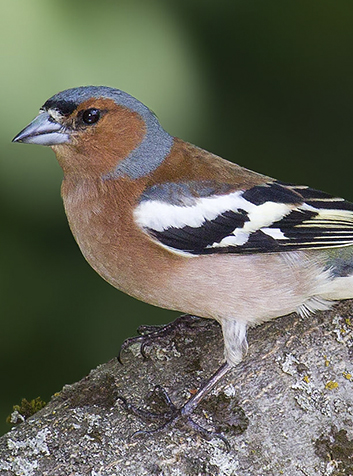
x: 287, y: 409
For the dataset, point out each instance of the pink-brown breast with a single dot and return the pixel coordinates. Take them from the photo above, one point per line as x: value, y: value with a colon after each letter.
x: 101, y: 220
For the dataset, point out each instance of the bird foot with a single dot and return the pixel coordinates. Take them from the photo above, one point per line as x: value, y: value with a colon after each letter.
x: 170, y: 417
x: 151, y: 334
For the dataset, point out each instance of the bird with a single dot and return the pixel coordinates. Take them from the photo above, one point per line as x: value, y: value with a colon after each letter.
x: 181, y: 228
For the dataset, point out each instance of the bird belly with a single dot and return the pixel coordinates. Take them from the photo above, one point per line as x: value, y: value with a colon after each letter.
x: 250, y: 288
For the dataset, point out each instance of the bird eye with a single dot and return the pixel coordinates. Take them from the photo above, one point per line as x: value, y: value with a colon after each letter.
x: 91, y: 116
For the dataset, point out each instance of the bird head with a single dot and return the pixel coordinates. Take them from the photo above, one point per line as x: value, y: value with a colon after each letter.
x: 99, y: 131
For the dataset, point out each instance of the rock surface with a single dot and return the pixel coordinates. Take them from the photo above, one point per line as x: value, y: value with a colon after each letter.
x: 286, y: 409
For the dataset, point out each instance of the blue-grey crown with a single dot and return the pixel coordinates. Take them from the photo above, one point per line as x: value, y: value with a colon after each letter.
x: 67, y: 101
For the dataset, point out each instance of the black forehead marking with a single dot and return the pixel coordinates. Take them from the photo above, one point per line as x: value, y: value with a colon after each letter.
x: 67, y: 101
x: 64, y: 107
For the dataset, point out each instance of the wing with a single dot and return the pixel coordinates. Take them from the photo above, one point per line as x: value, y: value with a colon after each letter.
x: 202, y: 218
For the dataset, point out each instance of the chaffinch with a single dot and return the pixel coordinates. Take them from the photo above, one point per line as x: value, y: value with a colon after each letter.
x: 180, y: 228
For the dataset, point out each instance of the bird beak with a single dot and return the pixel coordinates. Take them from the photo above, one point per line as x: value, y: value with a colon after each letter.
x: 43, y: 130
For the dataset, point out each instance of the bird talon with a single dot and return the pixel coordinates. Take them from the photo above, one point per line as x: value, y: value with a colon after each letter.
x: 140, y: 412
x: 173, y: 414
x: 166, y: 398
x: 148, y: 335
x: 153, y: 431
x: 207, y: 434
x: 170, y: 418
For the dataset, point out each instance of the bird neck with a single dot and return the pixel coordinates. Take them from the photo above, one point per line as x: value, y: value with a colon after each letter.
x: 148, y: 155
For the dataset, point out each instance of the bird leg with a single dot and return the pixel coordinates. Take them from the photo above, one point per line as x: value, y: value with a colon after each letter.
x: 151, y: 334
x: 174, y: 413
x: 206, y: 388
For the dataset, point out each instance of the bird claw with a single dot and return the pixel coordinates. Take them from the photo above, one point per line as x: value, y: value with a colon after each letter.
x: 148, y: 415
x: 168, y: 418
x: 207, y: 434
x: 150, y: 334
x: 172, y: 414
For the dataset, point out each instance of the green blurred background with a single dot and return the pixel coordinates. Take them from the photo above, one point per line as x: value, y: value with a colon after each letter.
x: 266, y: 84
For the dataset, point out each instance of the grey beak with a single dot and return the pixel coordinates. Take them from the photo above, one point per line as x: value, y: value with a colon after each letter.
x: 43, y: 130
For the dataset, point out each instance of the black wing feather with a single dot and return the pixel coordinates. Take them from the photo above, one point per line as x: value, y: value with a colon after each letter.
x: 303, y: 227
